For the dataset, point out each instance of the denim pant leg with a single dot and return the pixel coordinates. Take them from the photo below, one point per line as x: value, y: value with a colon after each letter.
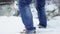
x: 26, y: 16
x: 41, y: 12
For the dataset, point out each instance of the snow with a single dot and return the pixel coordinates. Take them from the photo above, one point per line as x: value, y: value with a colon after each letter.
x: 10, y: 25
x: 13, y: 25
x: 51, y: 7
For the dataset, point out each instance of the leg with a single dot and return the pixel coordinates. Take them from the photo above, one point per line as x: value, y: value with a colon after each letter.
x: 26, y: 15
x: 41, y: 12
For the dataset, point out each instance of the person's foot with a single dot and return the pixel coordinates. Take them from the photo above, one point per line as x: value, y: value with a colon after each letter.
x: 39, y: 26
x: 28, y: 31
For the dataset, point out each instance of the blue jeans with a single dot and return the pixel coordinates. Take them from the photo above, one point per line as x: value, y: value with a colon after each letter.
x: 40, y: 6
x: 26, y: 14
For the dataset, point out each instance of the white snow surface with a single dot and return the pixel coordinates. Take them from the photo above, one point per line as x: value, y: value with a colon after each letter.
x: 14, y: 25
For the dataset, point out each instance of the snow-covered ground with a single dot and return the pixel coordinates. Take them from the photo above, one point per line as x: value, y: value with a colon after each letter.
x: 13, y: 25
